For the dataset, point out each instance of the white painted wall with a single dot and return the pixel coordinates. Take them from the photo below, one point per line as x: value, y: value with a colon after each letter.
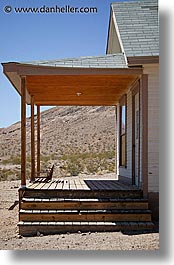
x: 153, y: 126
x: 113, y: 42
x: 153, y: 130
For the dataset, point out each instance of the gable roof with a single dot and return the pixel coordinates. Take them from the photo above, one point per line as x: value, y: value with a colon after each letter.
x: 138, y: 27
x: 106, y: 61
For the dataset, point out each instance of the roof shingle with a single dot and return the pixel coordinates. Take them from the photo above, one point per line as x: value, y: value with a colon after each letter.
x: 138, y: 26
x: 106, y: 61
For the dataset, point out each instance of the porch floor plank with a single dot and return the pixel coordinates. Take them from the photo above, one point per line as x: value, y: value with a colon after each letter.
x: 72, y: 184
x: 53, y: 185
x: 40, y: 185
x: 66, y: 185
x: 59, y: 185
x: 85, y: 187
x: 81, y: 184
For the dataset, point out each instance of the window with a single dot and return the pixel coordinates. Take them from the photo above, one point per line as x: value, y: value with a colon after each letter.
x: 123, y: 119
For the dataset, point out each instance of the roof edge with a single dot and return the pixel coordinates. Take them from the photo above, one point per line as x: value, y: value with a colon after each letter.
x: 29, y: 69
x: 118, y: 33
x: 108, y: 30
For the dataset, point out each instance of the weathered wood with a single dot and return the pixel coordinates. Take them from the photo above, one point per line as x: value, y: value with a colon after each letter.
x: 84, y: 186
x: 60, y: 185
x: 90, y: 216
x: 21, y: 194
x: 32, y: 178
x: 38, y: 193
x: 83, y: 205
x: 40, y: 185
x: 79, y: 184
x: 90, y: 185
x: 72, y: 184
x: 46, y: 185
x: 66, y: 185
x: 53, y: 184
x: 64, y: 227
x: 50, y: 173
x: 33, y: 185
x: 48, y: 177
x: 23, y: 132
x: 65, y: 210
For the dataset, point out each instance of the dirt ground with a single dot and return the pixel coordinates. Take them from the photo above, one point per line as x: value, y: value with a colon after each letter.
x: 11, y: 240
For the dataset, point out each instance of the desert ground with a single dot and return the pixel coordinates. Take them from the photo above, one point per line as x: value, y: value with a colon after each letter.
x: 11, y: 240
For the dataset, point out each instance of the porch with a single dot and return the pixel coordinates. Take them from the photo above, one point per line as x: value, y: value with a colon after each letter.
x: 69, y: 205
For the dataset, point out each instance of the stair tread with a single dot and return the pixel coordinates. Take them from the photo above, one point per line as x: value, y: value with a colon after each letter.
x: 131, y: 211
x: 59, y: 211
x: 82, y: 200
x: 139, y: 223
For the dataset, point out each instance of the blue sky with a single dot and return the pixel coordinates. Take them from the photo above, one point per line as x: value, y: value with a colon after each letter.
x: 27, y: 37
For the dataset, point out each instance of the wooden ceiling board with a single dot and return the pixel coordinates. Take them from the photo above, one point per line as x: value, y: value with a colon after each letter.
x: 94, y: 90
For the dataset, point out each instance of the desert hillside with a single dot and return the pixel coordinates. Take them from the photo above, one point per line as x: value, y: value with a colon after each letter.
x: 78, y: 140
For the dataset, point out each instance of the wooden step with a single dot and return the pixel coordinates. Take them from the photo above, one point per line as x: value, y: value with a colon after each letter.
x: 46, y: 228
x: 82, y: 216
x: 57, y: 211
x: 72, y: 194
x: 76, y: 204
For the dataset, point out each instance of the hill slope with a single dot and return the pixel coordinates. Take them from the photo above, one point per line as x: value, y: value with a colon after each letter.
x: 77, y: 139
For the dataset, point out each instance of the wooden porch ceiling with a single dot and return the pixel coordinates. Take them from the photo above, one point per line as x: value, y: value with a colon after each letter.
x: 78, y: 90
x: 72, y: 86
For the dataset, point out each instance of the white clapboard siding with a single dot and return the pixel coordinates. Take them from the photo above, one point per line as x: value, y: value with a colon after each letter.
x: 153, y: 126
x: 153, y: 130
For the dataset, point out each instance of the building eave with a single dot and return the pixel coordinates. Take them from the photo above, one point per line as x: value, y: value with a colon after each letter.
x: 50, y: 85
x: 139, y: 60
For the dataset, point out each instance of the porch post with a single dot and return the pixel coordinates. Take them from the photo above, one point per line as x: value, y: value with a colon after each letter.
x: 117, y: 140
x: 116, y: 144
x: 38, y: 140
x: 32, y: 178
x: 144, y: 107
x: 23, y: 132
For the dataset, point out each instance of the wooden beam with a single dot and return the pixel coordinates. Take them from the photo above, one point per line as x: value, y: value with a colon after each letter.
x: 32, y: 178
x: 139, y: 60
x: 27, y: 69
x: 77, y: 103
x: 38, y: 140
x: 23, y: 132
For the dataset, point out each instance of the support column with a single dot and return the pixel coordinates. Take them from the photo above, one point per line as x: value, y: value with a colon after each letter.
x: 23, y: 132
x: 144, y: 108
x: 116, y: 142
x: 38, y: 140
x: 32, y: 178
